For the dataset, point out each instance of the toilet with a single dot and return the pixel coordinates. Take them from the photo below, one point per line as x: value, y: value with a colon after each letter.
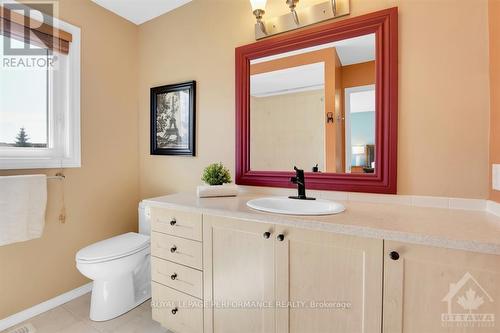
x: 120, y: 268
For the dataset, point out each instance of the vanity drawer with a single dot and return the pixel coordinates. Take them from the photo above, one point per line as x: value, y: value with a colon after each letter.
x: 179, y: 250
x: 176, y: 311
x: 177, y: 223
x: 182, y: 278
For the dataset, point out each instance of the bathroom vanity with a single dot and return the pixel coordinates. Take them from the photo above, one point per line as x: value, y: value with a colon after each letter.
x: 219, y: 266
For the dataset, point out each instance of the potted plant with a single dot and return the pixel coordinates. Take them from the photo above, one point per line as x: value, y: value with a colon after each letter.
x: 218, y: 179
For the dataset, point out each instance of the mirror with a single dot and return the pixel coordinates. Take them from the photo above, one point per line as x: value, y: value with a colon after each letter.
x: 315, y: 108
x: 324, y: 99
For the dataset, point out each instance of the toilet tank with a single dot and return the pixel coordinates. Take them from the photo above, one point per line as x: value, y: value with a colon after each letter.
x: 144, y: 219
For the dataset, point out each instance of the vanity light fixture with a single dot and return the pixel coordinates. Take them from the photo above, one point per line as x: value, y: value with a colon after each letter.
x: 259, y: 9
x: 316, y: 13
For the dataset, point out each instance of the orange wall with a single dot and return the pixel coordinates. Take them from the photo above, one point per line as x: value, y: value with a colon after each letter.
x: 358, y: 74
x: 324, y: 55
x: 494, y: 25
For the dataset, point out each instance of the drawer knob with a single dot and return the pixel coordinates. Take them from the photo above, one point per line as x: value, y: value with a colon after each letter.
x: 267, y: 234
x: 173, y: 221
x: 173, y: 249
x: 394, y: 255
x: 174, y: 311
x: 173, y: 276
x: 280, y: 237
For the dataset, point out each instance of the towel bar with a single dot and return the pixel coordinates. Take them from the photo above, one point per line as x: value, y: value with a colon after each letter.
x: 58, y: 176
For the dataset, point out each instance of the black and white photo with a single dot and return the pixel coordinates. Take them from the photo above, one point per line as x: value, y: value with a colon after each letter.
x: 173, y: 119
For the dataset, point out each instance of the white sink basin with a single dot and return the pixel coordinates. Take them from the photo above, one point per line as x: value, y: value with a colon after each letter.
x: 284, y: 205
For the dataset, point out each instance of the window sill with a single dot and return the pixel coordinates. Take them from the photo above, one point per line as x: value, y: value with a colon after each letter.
x: 38, y: 163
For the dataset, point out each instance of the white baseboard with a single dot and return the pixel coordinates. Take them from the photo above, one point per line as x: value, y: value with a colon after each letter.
x: 493, y: 207
x: 24, y: 315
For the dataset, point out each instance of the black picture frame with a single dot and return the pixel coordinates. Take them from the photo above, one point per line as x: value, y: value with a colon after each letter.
x: 172, y: 121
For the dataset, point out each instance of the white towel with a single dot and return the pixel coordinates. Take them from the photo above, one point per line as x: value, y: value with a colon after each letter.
x: 23, y: 200
x: 226, y: 190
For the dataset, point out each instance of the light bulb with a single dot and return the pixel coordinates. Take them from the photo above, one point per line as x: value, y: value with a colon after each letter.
x: 258, y: 4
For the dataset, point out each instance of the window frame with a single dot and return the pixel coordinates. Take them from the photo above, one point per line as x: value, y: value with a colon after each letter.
x: 64, y: 120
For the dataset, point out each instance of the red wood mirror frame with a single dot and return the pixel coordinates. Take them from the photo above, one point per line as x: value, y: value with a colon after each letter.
x: 385, y: 26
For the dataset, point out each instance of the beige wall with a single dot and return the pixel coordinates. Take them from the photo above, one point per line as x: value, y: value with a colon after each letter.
x: 444, y: 98
x: 494, y: 24
x: 101, y: 197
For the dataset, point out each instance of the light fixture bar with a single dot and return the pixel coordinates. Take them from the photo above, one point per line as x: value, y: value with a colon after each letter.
x: 292, y: 4
x: 258, y: 15
x: 317, y: 13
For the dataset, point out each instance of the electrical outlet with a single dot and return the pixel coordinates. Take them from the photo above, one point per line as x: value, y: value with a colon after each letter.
x: 496, y: 177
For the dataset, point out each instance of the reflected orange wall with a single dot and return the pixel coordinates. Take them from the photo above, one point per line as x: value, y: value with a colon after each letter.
x: 358, y: 74
x: 494, y: 27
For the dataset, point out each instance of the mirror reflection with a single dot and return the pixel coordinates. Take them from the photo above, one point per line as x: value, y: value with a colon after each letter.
x: 315, y: 108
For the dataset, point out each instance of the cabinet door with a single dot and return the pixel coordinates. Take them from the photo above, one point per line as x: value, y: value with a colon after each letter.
x: 333, y: 282
x: 238, y: 264
x: 431, y: 290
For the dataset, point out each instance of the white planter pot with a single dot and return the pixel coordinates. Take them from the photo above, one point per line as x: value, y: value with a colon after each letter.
x: 208, y: 191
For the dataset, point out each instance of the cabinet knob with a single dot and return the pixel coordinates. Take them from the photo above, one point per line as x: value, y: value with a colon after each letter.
x: 266, y: 235
x: 174, y: 310
x: 173, y: 249
x: 394, y: 255
x: 173, y: 276
x: 280, y: 237
x: 173, y: 221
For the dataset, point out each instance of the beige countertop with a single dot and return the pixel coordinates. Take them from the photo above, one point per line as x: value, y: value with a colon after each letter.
x: 450, y: 228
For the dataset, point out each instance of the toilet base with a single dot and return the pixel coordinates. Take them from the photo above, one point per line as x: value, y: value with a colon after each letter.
x: 113, y: 298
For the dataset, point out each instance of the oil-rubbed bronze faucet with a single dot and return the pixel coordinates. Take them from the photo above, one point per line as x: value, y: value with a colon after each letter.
x: 300, y: 180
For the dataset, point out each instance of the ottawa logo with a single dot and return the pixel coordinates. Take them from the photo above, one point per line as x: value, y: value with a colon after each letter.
x: 465, y: 299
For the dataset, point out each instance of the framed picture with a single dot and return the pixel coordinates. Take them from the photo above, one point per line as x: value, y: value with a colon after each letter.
x: 173, y: 119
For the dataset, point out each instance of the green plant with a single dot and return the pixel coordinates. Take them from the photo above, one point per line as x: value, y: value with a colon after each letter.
x: 216, y: 174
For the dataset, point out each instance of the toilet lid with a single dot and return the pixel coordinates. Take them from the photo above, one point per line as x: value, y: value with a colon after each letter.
x: 114, y: 247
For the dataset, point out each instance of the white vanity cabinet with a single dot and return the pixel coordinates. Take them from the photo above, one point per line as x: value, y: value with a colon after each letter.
x: 239, y: 266
x: 176, y: 270
x: 434, y: 290
x: 332, y: 283
x: 216, y: 274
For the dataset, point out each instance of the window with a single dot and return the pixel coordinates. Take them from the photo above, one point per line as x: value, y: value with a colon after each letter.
x: 39, y: 96
x: 24, y: 106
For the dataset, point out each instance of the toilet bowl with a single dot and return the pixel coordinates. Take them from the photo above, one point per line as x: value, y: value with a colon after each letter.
x: 120, y: 268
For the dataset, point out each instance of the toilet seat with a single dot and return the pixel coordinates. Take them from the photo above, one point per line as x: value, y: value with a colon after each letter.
x: 113, y: 248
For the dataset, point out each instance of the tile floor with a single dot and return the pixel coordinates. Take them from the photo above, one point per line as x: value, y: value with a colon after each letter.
x: 73, y: 317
